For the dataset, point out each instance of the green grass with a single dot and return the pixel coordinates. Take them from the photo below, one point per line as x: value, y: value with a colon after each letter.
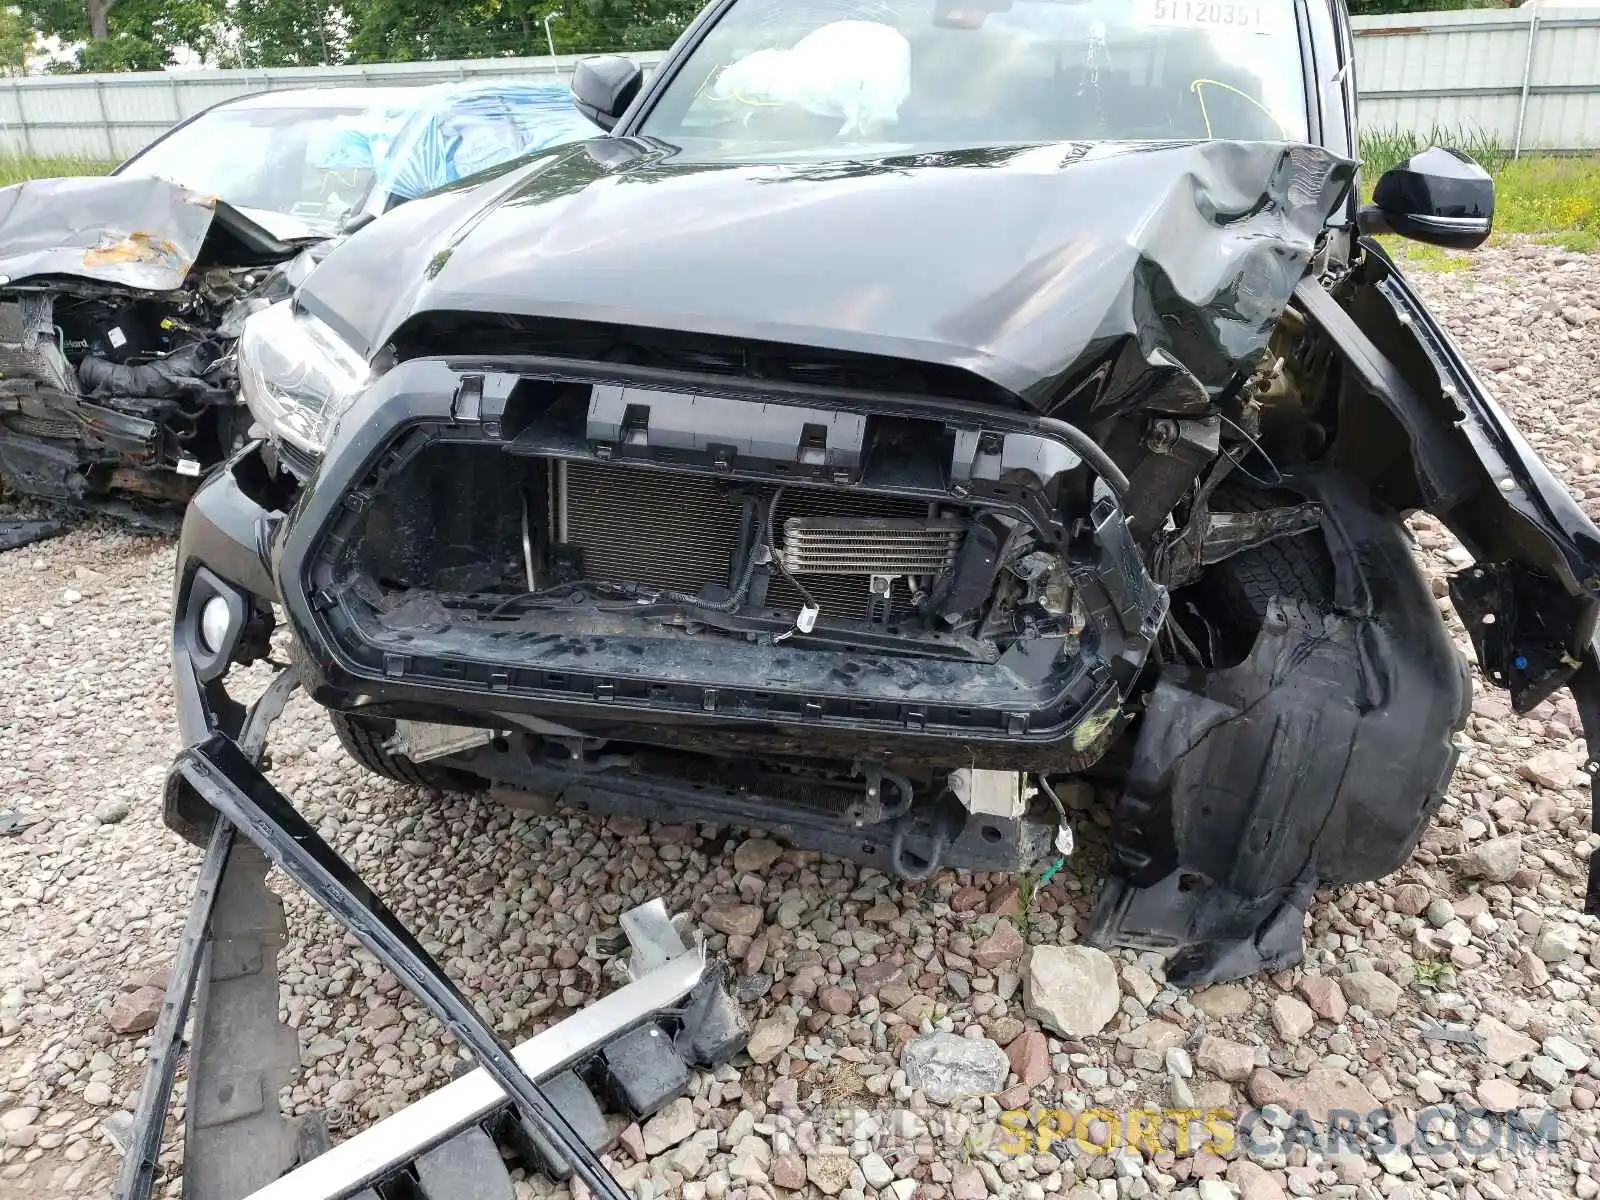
x: 1385, y: 148
x: 1552, y: 199
x: 1556, y: 199
x: 1432, y: 259
x: 16, y: 168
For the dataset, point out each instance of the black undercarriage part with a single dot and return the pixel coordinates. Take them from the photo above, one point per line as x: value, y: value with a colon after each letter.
x: 927, y: 830
x: 541, y: 1101
x: 1320, y: 759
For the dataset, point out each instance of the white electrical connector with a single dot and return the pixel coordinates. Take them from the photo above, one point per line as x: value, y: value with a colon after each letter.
x: 805, y: 622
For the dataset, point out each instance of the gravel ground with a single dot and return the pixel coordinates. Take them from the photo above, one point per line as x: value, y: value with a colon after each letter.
x: 840, y: 967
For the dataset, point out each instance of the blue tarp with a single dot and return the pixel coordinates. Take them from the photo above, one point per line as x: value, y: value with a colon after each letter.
x: 453, y: 132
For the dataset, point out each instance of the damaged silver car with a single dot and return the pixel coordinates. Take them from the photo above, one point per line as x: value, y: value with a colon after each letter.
x: 121, y: 297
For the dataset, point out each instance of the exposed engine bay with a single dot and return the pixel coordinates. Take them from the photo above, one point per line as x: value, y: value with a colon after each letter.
x: 117, y: 379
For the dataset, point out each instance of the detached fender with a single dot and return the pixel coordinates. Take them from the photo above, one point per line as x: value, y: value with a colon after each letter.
x: 1531, y: 599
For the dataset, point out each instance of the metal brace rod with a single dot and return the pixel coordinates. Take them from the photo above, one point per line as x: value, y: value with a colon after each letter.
x: 224, y: 778
x: 1585, y: 688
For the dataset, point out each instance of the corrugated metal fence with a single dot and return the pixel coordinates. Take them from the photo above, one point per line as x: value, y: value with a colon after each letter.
x: 110, y: 116
x: 1528, y: 77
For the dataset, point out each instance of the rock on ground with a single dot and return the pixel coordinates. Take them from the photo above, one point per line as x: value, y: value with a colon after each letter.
x: 772, y: 1036
x: 1373, y: 991
x: 1071, y: 989
x: 948, y: 1068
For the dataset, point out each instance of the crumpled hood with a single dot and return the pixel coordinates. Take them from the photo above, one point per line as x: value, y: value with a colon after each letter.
x: 1013, y: 264
x: 142, y: 233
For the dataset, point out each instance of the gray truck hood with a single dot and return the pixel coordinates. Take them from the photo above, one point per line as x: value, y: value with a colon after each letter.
x: 1011, y: 263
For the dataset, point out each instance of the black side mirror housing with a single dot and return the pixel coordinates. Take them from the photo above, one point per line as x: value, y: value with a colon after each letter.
x: 1439, y: 196
x: 604, y: 86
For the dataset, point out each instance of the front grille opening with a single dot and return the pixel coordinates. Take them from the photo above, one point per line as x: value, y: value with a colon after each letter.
x: 467, y: 519
x: 523, y: 543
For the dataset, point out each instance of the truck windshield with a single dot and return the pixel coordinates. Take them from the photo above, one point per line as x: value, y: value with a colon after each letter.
x: 777, y: 79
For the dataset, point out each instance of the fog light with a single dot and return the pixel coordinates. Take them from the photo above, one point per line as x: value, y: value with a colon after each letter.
x: 214, y: 622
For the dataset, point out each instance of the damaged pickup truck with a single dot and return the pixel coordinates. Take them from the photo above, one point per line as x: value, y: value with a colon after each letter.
x: 909, y: 412
x: 121, y: 298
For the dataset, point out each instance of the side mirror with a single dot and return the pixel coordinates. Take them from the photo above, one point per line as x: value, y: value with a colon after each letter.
x: 1439, y: 196
x: 604, y: 86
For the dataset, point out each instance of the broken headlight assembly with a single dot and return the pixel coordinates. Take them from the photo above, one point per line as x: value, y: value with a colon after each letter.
x: 298, y: 376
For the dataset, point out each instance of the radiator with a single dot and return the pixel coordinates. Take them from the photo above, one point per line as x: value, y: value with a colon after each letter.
x: 682, y: 532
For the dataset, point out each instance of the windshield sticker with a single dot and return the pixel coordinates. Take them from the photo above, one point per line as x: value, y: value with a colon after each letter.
x: 1237, y: 16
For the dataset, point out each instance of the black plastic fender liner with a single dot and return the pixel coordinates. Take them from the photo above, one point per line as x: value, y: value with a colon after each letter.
x: 1319, y: 759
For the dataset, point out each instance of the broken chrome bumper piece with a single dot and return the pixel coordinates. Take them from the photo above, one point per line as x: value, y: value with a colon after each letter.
x: 631, y: 1052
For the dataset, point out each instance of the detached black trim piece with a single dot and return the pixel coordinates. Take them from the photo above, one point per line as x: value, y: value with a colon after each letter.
x: 1564, y: 542
x: 1585, y: 687
x: 137, y: 1178
x: 220, y: 774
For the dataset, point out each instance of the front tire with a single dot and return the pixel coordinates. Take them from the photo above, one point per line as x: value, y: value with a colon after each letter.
x: 366, y: 739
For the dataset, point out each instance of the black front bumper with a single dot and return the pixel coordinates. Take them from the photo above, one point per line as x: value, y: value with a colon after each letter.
x: 905, y: 706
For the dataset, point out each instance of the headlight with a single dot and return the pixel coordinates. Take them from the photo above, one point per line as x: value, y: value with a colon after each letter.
x: 297, y: 376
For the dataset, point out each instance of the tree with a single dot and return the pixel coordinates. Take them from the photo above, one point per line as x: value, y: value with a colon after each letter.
x: 128, y: 35
x: 285, y: 33
x: 145, y: 35
x: 16, y: 42
x: 1372, y: 8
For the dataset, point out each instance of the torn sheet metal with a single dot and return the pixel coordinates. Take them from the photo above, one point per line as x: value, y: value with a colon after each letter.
x: 1083, y: 278
x: 140, y: 233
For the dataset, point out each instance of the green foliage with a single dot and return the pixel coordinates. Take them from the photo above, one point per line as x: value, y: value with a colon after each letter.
x: 1554, y: 198
x: 18, y: 168
x: 144, y: 35
x: 1385, y: 148
x: 1023, y: 920
x: 128, y: 35
x: 1432, y: 259
x: 1433, y: 973
x: 1372, y: 8
x: 16, y: 41
x: 285, y: 33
